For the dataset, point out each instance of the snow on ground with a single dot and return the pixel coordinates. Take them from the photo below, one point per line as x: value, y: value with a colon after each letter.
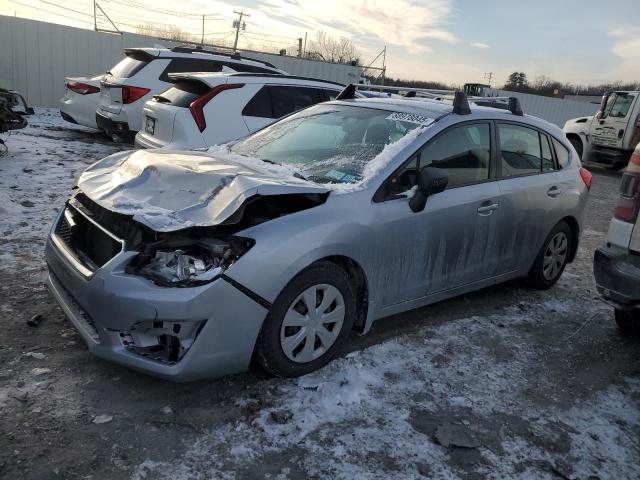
x: 374, y: 414
x: 36, y: 177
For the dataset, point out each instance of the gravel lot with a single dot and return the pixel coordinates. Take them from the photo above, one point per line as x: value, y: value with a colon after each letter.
x: 503, y: 383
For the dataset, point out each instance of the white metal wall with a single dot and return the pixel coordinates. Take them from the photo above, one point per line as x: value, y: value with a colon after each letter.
x: 553, y: 110
x: 36, y: 56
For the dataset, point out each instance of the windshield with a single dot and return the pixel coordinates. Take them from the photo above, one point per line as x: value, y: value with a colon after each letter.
x: 329, y: 143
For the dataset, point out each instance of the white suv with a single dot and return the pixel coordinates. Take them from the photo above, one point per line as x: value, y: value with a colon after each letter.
x: 144, y: 72
x: 204, y: 109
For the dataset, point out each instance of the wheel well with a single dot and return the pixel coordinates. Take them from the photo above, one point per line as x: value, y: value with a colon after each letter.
x: 575, y: 233
x: 357, y: 275
x: 574, y: 135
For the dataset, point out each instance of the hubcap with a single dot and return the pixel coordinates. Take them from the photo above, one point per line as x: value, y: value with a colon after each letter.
x: 312, y: 323
x: 555, y: 256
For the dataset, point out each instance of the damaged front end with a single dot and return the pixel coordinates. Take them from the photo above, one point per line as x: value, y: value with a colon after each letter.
x: 185, y: 262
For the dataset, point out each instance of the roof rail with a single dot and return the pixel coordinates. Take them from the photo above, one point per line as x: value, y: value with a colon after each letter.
x: 514, y: 106
x: 234, y: 56
x: 461, y: 104
x: 410, y: 91
x: 347, y: 93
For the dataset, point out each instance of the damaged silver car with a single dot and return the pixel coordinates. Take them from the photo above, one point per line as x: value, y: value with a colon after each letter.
x: 189, y: 265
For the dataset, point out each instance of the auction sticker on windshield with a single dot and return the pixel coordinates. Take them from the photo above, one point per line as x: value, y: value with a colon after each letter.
x: 410, y: 118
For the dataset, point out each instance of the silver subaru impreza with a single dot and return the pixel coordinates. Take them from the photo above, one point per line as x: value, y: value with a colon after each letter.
x: 188, y: 265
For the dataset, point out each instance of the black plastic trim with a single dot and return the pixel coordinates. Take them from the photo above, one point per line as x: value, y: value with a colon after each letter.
x: 249, y: 293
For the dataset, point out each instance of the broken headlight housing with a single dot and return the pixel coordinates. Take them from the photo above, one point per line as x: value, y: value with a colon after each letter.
x: 185, y: 263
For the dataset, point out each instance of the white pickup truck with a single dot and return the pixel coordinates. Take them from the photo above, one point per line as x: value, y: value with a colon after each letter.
x: 610, y: 136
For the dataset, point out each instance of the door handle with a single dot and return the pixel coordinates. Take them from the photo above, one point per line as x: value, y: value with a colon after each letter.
x: 488, y: 209
x: 554, y: 192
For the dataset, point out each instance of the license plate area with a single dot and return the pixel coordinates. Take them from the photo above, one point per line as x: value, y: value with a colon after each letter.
x: 150, y: 125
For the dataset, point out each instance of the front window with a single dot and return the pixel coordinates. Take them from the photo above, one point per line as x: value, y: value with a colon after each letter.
x: 621, y: 106
x: 329, y: 143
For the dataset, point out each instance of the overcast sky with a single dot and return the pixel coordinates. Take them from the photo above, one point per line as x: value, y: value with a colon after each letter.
x: 453, y: 41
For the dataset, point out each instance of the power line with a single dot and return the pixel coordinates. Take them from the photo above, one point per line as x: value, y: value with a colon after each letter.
x: 51, y: 13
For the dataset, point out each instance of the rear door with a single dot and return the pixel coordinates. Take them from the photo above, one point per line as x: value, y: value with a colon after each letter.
x: 610, y: 129
x: 531, y: 193
x: 275, y: 101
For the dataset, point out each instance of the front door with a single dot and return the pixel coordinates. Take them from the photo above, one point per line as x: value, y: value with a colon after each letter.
x: 609, y: 130
x: 452, y: 241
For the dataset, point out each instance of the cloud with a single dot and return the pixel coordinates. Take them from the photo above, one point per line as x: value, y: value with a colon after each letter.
x: 411, y: 24
x: 627, y: 48
x: 482, y: 46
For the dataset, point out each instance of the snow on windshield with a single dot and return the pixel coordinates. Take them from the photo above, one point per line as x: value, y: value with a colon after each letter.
x: 341, y: 146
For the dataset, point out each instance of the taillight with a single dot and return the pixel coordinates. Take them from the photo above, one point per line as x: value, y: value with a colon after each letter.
x: 196, y: 107
x: 131, y: 94
x: 629, y: 199
x: 81, y: 88
x: 586, y: 176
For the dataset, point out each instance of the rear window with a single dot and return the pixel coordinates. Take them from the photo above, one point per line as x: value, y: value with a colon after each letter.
x: 182, y: 93
x: 130, y: 65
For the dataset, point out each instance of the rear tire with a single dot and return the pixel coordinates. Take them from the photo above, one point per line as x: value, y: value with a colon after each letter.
x: 577, y: 144
x: 296, y: 340
x: 552, y: 258
x: 628, y: 321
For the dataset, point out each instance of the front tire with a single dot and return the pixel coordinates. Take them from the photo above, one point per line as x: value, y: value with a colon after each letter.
x: 552, y: 258
x: 628, y: 321
x: 308, y: 322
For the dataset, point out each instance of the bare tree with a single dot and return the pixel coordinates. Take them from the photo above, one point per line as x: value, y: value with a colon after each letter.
x: 329, y: 49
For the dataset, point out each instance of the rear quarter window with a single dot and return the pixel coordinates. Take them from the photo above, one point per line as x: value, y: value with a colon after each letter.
x: 562, y: 153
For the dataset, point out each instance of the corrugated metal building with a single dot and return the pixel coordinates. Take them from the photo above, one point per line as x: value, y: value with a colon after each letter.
x: 36, y: 56
x: 553, y: 110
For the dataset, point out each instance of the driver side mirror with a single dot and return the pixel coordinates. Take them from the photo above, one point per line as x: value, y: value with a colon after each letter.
x: 431, y: 180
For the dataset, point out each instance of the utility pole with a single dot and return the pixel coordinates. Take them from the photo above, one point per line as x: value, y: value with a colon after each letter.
x: 488, y: 76
x: 304, y: 49
x: 384, y: 65
x: 202, y: 41
x: 237, y: 24
x: 95, y: 20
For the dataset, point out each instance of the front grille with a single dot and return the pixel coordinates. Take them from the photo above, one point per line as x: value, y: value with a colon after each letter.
x: 84, y: 240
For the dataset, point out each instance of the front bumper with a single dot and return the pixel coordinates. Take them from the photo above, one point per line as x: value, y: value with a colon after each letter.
x: 611, y: 156
x: 110, y: 302
x: 617, y: 275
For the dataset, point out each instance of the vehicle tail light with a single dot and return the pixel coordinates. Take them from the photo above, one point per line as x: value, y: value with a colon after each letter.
x: 196, y: 107
x: 586, y: 176
x: 81, y: 88
x: 131, y: 94
x: 629, y: 200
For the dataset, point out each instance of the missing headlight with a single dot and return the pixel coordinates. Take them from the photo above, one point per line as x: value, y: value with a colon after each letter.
x: 187, y: 263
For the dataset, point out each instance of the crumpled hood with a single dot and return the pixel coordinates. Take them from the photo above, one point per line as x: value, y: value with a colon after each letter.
x: 170, y: 190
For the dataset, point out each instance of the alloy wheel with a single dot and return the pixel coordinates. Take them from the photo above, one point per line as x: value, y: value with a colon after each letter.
x: 555, y: 255
x: 312, y: 323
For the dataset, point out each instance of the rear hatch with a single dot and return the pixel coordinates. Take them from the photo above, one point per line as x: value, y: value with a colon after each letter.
x: 160, y: 112
x: 111, y: 86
